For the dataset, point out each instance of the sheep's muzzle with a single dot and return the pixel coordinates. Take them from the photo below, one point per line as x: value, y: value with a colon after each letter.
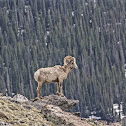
x: 76, y: 67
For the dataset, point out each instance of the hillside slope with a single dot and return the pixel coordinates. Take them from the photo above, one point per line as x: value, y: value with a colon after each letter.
x: 19, y: 111
x: 40, y: 33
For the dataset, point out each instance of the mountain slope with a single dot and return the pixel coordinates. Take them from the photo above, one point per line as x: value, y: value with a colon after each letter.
x: 20, y: 111
x: 36, y: 34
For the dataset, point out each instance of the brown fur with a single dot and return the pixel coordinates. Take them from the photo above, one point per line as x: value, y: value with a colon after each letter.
x: 55, y: 74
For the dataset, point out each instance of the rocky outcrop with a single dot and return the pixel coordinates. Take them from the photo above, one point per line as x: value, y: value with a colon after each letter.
x: 2, y: 115
x: 49, y: 111
x: 53, y: 108
x: 61, y: 118
x: 20, y: 97
x: 62, y: 102
x: 17, y: 113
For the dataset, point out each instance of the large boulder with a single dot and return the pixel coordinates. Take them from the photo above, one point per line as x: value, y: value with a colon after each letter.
x: 53, y: 108
x: 61, y: 118
x: 20, y: 97
x: 62, y: 102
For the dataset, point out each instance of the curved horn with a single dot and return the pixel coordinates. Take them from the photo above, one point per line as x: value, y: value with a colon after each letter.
x: 75, y: 62
x: 74, y: 59
x: 67, y: 60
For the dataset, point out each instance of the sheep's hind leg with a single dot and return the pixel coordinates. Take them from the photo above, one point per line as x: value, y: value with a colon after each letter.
x: 38, y: 90
x: 58, y: 86
x: 61, y: 90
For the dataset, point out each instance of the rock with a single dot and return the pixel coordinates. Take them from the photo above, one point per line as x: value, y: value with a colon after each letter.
x: 5, y: 123
x: 20, y: 97
x: 13, y: 113
x: 2, y: 115
x: 62, y: 102
x: 49, y: 111
x: 76, y: 114
x: 59, y: 117
x: 11, y: 107
x: 27, y: 107
x: 53, y: 108
x: 1, y: 95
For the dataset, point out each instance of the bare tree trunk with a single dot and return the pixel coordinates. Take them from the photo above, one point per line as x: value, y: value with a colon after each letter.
x: 4, y: 86
x: 29, y: 73
x: 8, y: 83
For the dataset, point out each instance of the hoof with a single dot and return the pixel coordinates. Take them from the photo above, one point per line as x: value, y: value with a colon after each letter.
x: 40, y: 97
x: 33, y: 100
x: 62, y: 95
x: 58, y: 93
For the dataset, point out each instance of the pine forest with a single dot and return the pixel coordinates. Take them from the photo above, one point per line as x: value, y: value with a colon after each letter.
x: 40, y: 33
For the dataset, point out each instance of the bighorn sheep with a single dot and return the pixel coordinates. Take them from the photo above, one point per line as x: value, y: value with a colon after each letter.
x: 55, y: 74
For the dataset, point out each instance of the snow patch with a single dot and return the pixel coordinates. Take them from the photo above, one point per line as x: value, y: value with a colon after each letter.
x: 105, y: 12
x: 94, y: 117
x: 82, y: 15
x: 86, y: 4
x: 45, y: 38
x: 46, y: 43
x: 72, y: 13
x: 90, y: 21
x: 94, y: 112
x: 118, y: 110
x: 26, y: 8
x: 7, y: 11
x: 74, y: 25
x: 99, y: 29
x: 47, y: 32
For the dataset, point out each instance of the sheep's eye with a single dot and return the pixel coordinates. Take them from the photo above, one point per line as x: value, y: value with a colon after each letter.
x: 72, y: 63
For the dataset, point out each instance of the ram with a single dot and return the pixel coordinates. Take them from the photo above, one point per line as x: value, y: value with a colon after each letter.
x: 54, y: 74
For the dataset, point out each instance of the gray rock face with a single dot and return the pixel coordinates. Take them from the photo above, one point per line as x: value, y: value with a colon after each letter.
x: 62, y: 102
x: 61, y: 118
x: 49, y: 111
x: 4, y: 124
x: 53, y: 108
x: 2, y: 115
x: 19, y: 97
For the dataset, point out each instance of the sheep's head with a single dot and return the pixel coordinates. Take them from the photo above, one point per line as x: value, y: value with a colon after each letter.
x: 70, y: 61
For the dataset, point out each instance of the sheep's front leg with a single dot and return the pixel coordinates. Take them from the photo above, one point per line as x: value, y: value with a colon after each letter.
x: 61, y: 89
x: 58, y: 86
x: 39, y: 90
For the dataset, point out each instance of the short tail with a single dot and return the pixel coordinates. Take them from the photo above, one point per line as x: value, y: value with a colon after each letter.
x: 36, y: 75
